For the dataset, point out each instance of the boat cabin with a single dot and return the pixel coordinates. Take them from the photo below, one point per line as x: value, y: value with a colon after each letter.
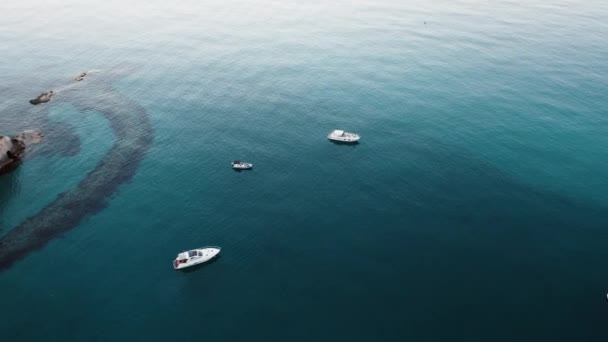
x: 185, y: 256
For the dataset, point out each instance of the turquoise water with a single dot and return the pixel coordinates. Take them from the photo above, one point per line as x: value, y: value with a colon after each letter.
x: 474, y: 208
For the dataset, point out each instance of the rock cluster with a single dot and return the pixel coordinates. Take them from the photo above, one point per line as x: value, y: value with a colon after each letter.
x: 81, y: 76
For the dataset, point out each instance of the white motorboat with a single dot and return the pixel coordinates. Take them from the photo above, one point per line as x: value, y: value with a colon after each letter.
x: 195, y: 257
x: 240, y: 165
x: 342, y: 136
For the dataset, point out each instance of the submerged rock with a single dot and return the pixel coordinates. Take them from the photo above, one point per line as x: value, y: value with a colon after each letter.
x: 42, y: 98
x: 30, y: 137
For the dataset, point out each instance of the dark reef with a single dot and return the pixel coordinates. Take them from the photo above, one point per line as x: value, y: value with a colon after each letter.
x: 134, y: 136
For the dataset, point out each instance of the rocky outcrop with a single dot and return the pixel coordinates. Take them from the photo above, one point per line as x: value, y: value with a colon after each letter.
x: 12, y: 148
x: 42, y: 98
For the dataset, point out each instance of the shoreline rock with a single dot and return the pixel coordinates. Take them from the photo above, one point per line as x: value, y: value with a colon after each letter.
x: 13, y: 148
x: 42, y: 98
x: 81, y: 76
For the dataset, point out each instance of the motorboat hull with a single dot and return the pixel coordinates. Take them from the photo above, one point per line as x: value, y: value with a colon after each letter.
x: 341, y: 136
x: 345, y: 141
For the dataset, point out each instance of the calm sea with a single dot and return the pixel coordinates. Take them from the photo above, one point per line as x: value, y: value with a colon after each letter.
x: 474, y: 208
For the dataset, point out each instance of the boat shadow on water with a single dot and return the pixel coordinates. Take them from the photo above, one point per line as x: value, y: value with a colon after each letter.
x: 345, y: 143
x: 199, y: 266
x: 241, y: 170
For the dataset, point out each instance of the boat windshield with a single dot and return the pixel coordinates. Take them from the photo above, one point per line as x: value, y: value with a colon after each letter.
x: 192, y: 254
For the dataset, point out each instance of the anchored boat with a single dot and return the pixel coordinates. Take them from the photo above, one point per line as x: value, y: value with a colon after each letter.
x: 195, y: 257
x: 342, y: 136
x: 240, y: 165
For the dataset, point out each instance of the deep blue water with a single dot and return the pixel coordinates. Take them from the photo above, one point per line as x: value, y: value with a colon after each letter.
x: 474, y: 208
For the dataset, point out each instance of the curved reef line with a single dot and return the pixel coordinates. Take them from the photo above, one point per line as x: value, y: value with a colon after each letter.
x: 133, y: 133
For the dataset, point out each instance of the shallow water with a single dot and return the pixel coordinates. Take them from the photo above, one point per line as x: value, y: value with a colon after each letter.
x: 474, y: 207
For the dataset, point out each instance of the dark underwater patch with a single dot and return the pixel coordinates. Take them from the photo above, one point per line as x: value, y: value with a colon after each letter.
x: 133, y: 134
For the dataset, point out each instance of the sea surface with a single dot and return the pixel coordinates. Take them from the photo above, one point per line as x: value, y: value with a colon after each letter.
x: 475, y: 207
